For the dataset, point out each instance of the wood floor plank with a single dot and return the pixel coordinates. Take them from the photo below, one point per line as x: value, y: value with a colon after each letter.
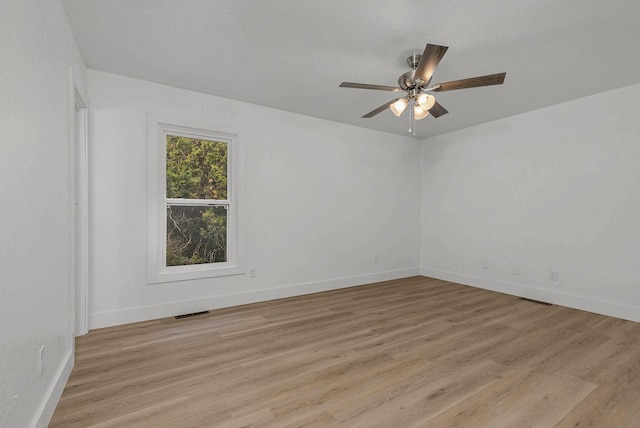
x: 609, y: 405
x: 437, y: 388
x: 412, y: 352
x: 616, y: 361
x: 523, y: 398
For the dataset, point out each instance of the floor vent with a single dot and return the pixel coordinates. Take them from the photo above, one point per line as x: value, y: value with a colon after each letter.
x: 535, y: 301
x: 191, y: 315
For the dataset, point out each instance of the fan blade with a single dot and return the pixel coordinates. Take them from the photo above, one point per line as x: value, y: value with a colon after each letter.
x: 380, y: 109
x: 367, y: 86
x: 472, y: 82
x: 437, y: 110
x: 429, y: 61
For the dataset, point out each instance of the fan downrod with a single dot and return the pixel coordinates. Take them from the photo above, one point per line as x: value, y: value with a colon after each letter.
x: 414, y: 60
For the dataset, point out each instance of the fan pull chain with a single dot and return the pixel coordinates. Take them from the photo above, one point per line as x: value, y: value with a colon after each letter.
x: 412, y: 120
x: 413, y: 115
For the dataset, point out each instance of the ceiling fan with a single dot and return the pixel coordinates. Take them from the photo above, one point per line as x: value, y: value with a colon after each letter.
x: 416, y: 84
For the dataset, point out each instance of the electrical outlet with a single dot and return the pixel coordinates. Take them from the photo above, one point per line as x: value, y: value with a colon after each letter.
x: 516, y: 269
x: 485, y: 264
x: 375, y: 260
x: 253, y: 272
x: 40, y: 359
x: 553, y: 275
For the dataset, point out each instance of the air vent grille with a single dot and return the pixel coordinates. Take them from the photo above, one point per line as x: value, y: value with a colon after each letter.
x: 191, y: 315
x: 535, y: 301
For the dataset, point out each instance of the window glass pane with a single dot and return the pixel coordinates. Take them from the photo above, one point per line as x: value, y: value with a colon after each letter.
x: 196, y: 235
x: 196, y: 168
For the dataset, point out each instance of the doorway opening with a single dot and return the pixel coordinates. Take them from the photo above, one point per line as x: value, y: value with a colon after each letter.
x: 80, y: 215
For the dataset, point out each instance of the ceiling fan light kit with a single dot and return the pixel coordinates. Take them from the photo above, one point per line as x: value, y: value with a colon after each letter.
x: 419, y: 112
x: 416, y: 84
x: 398, y: 107
x: 426, y: 101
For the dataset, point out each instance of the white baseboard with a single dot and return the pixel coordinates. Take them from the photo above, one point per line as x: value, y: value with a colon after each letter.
x: 144, y: 313
x: 604, y: 307
x: 54, y: 392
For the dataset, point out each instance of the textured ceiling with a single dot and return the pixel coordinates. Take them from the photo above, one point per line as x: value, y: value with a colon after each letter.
x: 293, y: 54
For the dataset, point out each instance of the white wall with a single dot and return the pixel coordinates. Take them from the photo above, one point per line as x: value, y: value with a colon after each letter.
x: 554, y: 189
x: 322, y: 200
x: 36, y: 49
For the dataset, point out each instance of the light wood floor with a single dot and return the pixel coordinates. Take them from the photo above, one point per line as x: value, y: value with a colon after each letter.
x: 415, y: 352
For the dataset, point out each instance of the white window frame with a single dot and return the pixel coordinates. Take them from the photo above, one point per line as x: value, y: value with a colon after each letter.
x: 157, y: 270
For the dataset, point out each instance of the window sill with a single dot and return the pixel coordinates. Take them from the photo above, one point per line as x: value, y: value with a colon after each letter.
x: 186, y: 273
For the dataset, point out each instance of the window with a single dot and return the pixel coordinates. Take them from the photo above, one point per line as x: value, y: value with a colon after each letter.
x: 196, y: 200
x: 194, y: 221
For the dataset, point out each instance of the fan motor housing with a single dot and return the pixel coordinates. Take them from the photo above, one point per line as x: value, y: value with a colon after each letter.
x: 408, y: 80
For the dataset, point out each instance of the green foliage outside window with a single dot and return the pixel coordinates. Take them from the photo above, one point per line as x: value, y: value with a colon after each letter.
x: 196, y: 169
